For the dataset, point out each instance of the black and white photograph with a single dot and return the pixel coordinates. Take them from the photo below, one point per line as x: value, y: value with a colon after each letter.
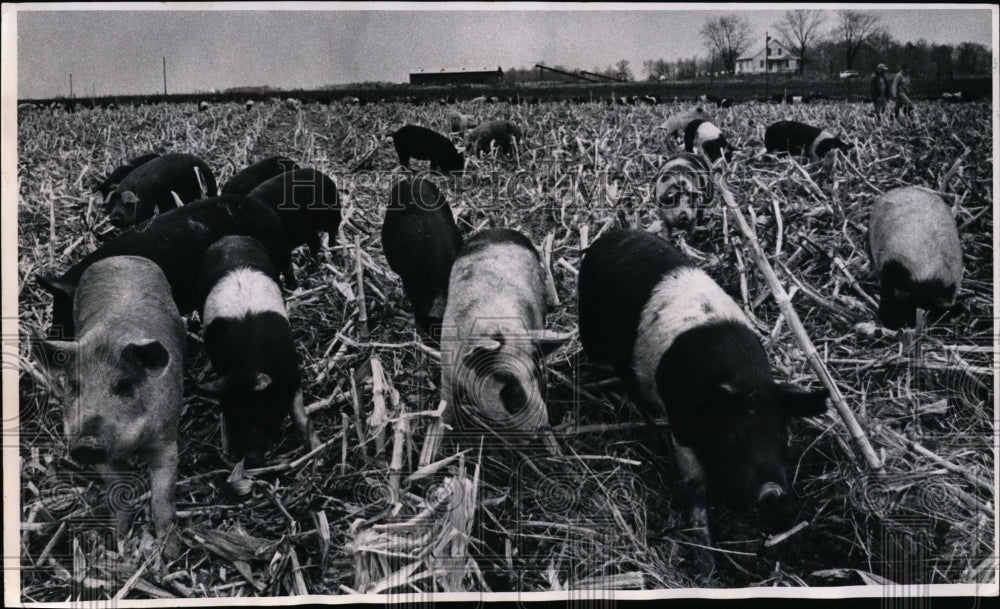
x: 429, y: 302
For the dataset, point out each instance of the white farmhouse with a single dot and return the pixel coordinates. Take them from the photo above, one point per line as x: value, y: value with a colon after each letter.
x: 777, y: 59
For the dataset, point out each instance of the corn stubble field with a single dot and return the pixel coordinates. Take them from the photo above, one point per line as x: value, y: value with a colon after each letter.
x: 359, y: 516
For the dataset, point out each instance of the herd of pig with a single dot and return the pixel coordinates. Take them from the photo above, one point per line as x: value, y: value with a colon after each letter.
x: 679, y: 343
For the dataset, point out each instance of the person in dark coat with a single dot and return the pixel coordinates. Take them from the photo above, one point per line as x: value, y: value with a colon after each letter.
x: 880, y: 89
x: 901, y: 92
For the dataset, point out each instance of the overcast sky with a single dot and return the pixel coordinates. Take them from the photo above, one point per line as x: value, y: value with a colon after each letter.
x: 120, y: 51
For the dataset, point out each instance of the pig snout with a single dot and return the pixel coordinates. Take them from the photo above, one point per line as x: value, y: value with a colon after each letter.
x: 118, y: 218
x: 775, y: 509
x: 88, y: 450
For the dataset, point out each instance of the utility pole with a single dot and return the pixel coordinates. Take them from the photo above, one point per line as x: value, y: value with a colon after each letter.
x: 71, y: 85
x: 164, y: 77
x: 711, y: 70
x: 767, y: 65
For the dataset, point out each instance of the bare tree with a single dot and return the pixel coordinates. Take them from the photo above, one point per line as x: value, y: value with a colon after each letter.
x: 622, y: 71
x: 799, y: 29
x: 854, y: 30
x: 729, y: 35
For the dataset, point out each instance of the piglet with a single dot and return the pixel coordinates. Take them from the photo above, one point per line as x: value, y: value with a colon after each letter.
x: 493, y: 340
x: 684, y: 348
x: 421, y: 241
x: 152, y: 186
x: 250, y: 345
x: 121, y: 380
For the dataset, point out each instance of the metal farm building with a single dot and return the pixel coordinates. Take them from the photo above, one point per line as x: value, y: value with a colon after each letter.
x: 457, y: 76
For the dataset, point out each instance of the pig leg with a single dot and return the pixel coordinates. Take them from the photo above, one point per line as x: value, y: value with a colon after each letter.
x: 162, y: 460
x: 116, y: 481
x: 693, y: 485
x: 290, y: 282
x: 303, y: 423
x: 314, y: 244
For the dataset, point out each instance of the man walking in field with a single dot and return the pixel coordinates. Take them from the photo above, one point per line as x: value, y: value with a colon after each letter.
x: 880, y: 90
x: 901, y: 92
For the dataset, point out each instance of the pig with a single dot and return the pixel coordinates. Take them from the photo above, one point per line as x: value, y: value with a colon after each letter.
x: 113, y: 179
x: 707, y: 138
x: 249, y: 343
x: 501, y: 133
x: 307, y: 203
x: 425, y: 144
x: 121, y: 381
x: 802, y: 140
x: 676, y: 123
x: 916, y: 254
x: 203, y: 106
x: 684, y: 348
x: 152, y: 186
x: 493, y: 339
x: 258, y: 173
x: 683, y: 189
x: 176, y: 241
x: 421, y: 241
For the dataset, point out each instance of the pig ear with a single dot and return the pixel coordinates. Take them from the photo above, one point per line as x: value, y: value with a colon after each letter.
x: 150, y: 354
x: 261, y: 382
x: 129, y: 198
x: 728, y: 389
x: 798, y: 402
x: 56, y: 285
x: 55, y: 354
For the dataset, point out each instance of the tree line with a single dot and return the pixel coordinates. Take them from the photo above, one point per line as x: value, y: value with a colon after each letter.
x: 826, y: 44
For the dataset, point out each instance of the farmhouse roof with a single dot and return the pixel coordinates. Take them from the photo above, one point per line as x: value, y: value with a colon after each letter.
x: 457, y: 70
x: 775, y: 44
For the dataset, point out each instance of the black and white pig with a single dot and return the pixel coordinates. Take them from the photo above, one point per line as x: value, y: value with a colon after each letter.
x: 176, y: 241
x: 502, y: 134
x: 250, y: 345
x: 683, y: 347
x: 677, y: 123
x: 152, y: 186
x: 683, y: 189
x: 916, y: 253
x: 493, y: 339
x: 412, y: 141
x: 308, y: 204
x: 258, y: 173
x: 111, y: 181
x: 802, y: 140
x: 121, y: 381
x: 703, y: 135
x: 421, y: 241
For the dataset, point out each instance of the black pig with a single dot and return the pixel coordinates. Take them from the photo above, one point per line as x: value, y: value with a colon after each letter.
x: 307, y: 202
x: 258, y: 173
x: 425, y: 144
x: 420, y: 241
x: 113, y: 179
x: 152, y: 186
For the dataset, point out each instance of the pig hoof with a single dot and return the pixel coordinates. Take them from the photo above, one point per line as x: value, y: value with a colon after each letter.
x: 172, y: 547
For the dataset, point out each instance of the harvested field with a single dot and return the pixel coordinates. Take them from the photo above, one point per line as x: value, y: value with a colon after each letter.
x: 359, y: 516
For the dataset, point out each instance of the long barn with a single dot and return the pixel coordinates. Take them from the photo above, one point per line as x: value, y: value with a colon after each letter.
x: 457, y: 76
